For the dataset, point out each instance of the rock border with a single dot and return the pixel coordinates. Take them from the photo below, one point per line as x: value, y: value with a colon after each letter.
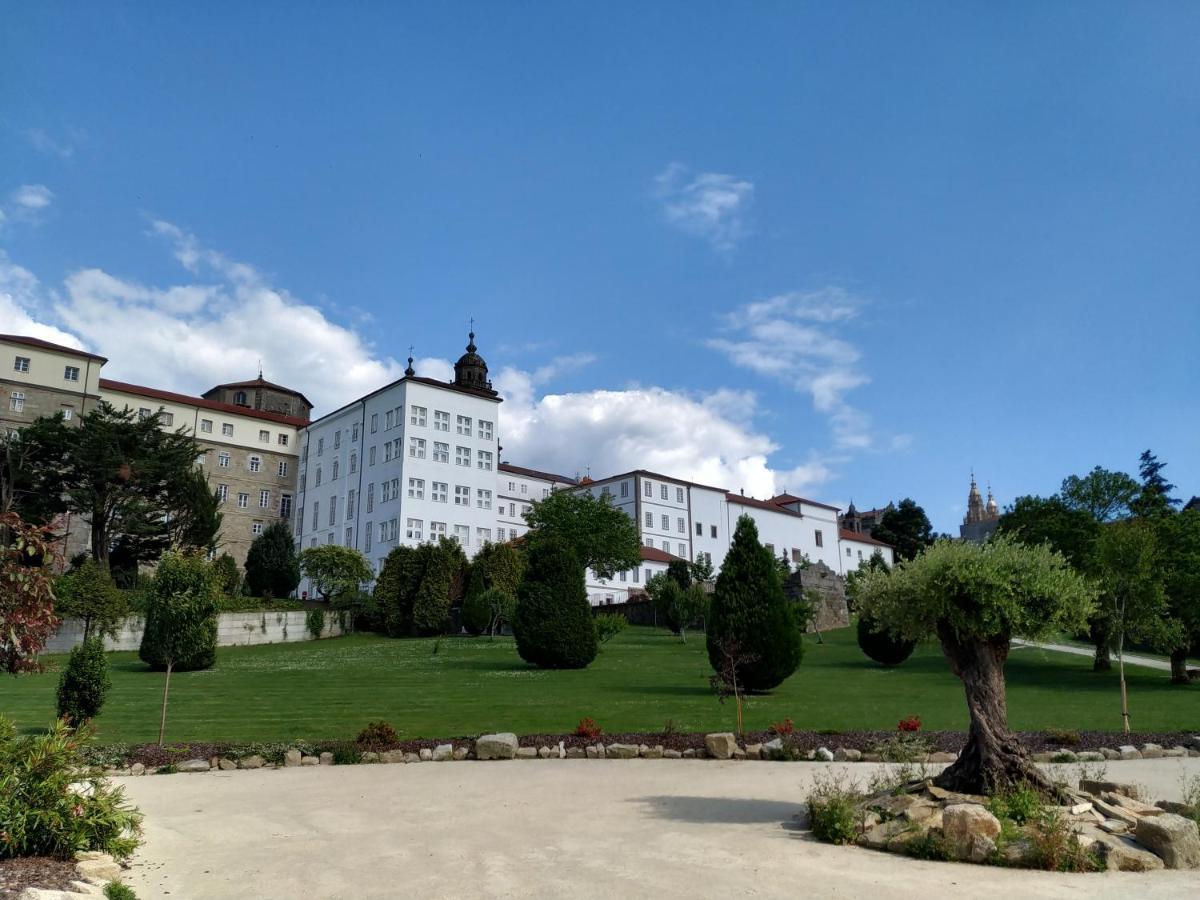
x: 95, y: 871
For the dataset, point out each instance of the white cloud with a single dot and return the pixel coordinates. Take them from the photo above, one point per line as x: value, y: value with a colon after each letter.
x: 32, y: 196
x: 42, y: 141
x: 21, y: 306
x: 709, y: 205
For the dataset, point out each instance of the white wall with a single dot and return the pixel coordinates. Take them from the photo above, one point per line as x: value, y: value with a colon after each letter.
x: 233, y: 630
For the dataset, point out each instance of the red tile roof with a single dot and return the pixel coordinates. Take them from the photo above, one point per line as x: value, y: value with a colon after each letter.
x: 653, y: 554
x: 534, y: 473
x: 107, y: 384
x: 260, y: 383
x: 46, y: 345
x: 792, y: 498
x: 761, y: 504
x: 846, y: 534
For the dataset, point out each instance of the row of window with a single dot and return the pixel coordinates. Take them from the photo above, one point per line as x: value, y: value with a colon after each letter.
x: 664, y: 491
x: 680, y: 523
x: 21, y: 364
x: 390, y: 490
x: 264, y: 500
x: 484, y: 459
x: 681, y: 550
x: 206, y: 427
x: 700, y: 530
x: 418, y: 416
x: 253, y: 463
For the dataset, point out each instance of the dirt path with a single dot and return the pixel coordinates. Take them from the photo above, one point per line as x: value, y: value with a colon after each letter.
x: 1148, y: 662
x: 552, y: 828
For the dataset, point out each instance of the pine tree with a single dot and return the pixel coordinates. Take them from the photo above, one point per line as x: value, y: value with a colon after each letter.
x: 749, y: 610
x: 553, y: 623
x: 1155, y: 498
x: 84, y: 682
x: 272, y: 567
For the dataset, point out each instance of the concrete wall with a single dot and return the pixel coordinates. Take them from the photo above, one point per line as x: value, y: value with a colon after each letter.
x: 233, y: 630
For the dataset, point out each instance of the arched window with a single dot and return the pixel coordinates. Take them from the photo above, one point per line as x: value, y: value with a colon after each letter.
x: 239, y: 399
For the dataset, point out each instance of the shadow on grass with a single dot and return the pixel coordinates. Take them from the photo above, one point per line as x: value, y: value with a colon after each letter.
x: 719, y: 810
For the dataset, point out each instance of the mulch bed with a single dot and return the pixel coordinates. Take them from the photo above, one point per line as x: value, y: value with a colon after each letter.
x: 34, y: 871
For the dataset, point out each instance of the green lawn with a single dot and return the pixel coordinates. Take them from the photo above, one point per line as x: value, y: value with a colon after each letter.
x: 330, y: 689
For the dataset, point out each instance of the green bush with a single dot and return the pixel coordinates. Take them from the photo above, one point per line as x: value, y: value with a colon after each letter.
x: 1056, y: 847
x: 833, y: 809
x: 880, y: 645
x: 609, y: 625
x: 416, y: 587
x: 749, y: 611
x: 272, y: 566
x: 181, y: 616
x: 1021, y: 805
x: 115, y: 890
x: 377, y: 735
x: 314, y: 622
x: 553, y: 623
x: 226, y: 575
x: 88, y: 593
x: 40, y: 813
x: 84, y: 682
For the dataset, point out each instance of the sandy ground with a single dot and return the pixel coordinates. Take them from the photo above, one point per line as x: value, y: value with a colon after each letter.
x: 553, y: 828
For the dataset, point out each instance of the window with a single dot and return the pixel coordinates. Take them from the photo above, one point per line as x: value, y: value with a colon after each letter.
x: 485, y: 429
x: 333, y: 509
x: 256, y: 465
x: 462, y: 456
x: 243, y: 501
x: 316, y: 510
x: 646, y: 573
x: 648, y: 489
x: 349, y: 535
x: 206, y: 426
x: 350, y: 504
x: 387, y: 452
x: 374, y: 422
x: 283, y: 440
x: 484, y: 459
x: 239, y: 399
x: 820, y: 539
x: 264, y: 436
x: 282, y: 468
x: 649, y: 542
x: 354, y: 432
x: 395, y: 488
x: 462, y: 534
x: 336, y: 466
x: 320, y: 446
x: 714, y: 530
x: 512, y: 509
x: 462, y: 495
x: 847, y: 551
x: 441, y: 420
x: 68, y: 413
x: 227, y: 430
x: 860, y: 554
x: 545, y: 493
x: 318, y: 484
x: 353, y: 461
x: 649, y: 520
x: 16, y: 402
x: 413, y: 531
x: 483, y: 499
x: 285, y: 506
x: 622, y: 575
x: 440, y: 490
x: 441, y: 452
x: 662, y: 491
x: 416, y: 448
x: 666, y: 523
x: 437, y: 530
x: 464, y: 426
x: 370, y: 533
x: 223, y: 459
x: 416, y: 488
x: 699, y: 530
x: 624, y: 488
x: 683, y: 551
x: 143, y: 413
x: 416, y: 415
x: 385, y: 491
x: 222, y: 492
x: 264, y: 499
x: 388, y: 420
x: 21, y: 364
x: 371, y: 497
x: 71, y: 373
x: 165, y: 418
x: 526, y: 509
x: 512, y: 534
x: 681, y: 526
x: 524, y: 488
x: 483, y: 535
x: 337, y: 439
x: 256, y: 528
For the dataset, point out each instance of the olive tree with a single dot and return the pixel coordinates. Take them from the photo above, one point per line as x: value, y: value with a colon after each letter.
x: 975, y: 598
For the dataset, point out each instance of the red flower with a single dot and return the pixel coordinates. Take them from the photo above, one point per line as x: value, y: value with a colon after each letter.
x: 912, y: 723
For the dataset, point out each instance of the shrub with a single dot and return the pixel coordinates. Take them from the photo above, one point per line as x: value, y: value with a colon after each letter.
x: 88, y: 593
x: 912, y: 724
x: 1064, y: 737
x: 495, y: 567
x: 833, y: 809
x: 181, y: 616
x: 1022, y: 804
x: 609, y: 625
x: 116, y: 890
x: 40, y: 813
x: 272, y: 566
x: 314, y: 621
x: 1056, y: 848
x: 27, y: 616
x: 784, y: 728
x: 880, y: 645
x: 553, y: 624
x: 930, y: 845
x: 377, y: 735
x: 84, y: 683
x: 476, y: 613
x: 587, y: 728
x: 417, y: 585
x: 226, y: 575
x: 749, y: 611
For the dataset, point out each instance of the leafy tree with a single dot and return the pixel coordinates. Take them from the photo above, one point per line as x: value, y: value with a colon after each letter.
x: 1132, y: 590
x: 495, y: 567
x: 88, y: 593
x: 27, y: 616
x: 226, y: 575
x: 602, y: 537
x: 395, y: 588
x: 702, y: 569
x: 679, y: 571
x: 609, y: 625
x: 195, y: 522
x: 1154, y: 498
x: 906, y: 528
x: 553, y: 623
x: 676, y: 606
x: 1179, y: 535
x: 487, y: 611
x: 84, y: 683
x: 1102, y: 494
x: 749, y: 612
x: 444, y: 563
x: 181, y: 621
x: 272, y: 566
x: 875, y: 563
x: 333, y: 570
x: 975, y: 598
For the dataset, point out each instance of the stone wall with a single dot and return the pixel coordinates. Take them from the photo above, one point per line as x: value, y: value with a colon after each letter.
x: 832, y: 611
x: 238, y: 629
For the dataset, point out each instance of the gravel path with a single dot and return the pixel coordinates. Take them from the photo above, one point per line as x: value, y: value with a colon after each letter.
x: 553, y: 828
x: 1148, y: 662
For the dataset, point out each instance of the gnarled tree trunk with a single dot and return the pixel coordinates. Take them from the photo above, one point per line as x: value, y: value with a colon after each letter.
x: 1179, y: 673
x: 1102, y: 662
x: 993, y: 759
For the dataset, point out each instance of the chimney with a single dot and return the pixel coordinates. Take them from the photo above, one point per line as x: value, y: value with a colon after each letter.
x: 742, y: 491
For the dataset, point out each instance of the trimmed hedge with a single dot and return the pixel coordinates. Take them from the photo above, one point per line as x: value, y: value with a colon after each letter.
x: 880, y: 645
x: 553, y: 624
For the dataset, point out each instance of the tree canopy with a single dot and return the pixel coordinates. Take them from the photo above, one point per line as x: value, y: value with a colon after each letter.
x: 1102, y: 494
x: 272, y: 566
x: 333, y: 570
x: 906, y: 528
x: 1154, y: 497
x: 602, y: 537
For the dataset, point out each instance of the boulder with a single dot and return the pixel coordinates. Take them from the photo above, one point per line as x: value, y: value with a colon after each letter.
x: 1019, y: 853
x: 103, y: 869
x: 689, y: 753
x: 193, y: 765
x: 592, y: 751
x: 412, y: 758
x: 1112, y: 811
x: 1134, y: 806
x: 1123, y: 855
x: 460, y: 753
x: 1152, y: 751
x: 32, y: 893
x: 655, y: 752
x: 226, y: 765
x: 621, y: 751
x: 847, y: 754
x: 292, y: 758
x: 368, y: 756
x: 86, y: 887
x: 672, y: 754
x: 1176, y: 752
x: 326, y: 758
x: 965, y: 825
x: 391, y: 756
x: 86, y: 855
x: 309, y: 761
x: 545, y: 753
x: 1092, y: 786
x: 527, y: 753
x: 253, y: 761
x: 941, y: 756
x: 443, y: 753
x: 1129, y: 752
x: 137, y: 769
x: 773, y: 749
x: 824, y: 754
x: 877, y: 836
x: 576, y: 753
x: 720, y: 745
x: 754, y: 751
x: 425, y: 755
x: 1174, y: 839
x: 739, y: 753
x: 1109, y: 753
x: 496, y: 746
x: 1090, y: 756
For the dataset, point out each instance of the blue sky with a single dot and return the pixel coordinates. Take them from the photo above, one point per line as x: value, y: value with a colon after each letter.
x: 853, y: 250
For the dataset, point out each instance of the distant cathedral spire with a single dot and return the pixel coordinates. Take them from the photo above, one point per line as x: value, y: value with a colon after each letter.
x: 471, y: 370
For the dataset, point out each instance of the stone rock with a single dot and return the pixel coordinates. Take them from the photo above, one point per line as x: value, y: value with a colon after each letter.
x: 754, y: 751
x: 739, y: 753
x: 941, y: 757
x: 847, y: 754
x: 226, y: 765
x: 900, y: 842
x: 460, y: 753
x: 1128, y: 803
x: 1112, y: 811
x: 86, y: 887
x: 193, y: 765
x: 425, y: 755
x: 1019, y: 853
x: 1092, y: 786
x: 562, y: 750
x: 368, y: 756
x: 873, y: 757
x: 412, y: 757
x: 33, y: 893
x: 106, y: 870
x: 527, y: 753
x: 689, y: 753
x: 1044, y: 757
x: 253, y: 761
x: 1174, y: 839
x: 1079, y: 809
x: 774, y: 749
x: 137, y: 769
x: 963, y: 824
x: 621, y: 751
x: 1090, y: 756
x: 1152, y: 751
x: 877, y: 836
x: 1109, y: 753
x: 672, y: 754
x: 824, y: 754
x: 443, y: 753
x: 953, y: 796
x: 1123, y: 855
x: 720, y: 745
x: 655, y: 752
x: 545, y: 753
x: 592, y: 751
x: 575, y: 752
x: 981, y: 849
x: 88, y: 855
x: 496, y: 746
x: 326, y: 758
x: 309, y: 761
x: 1176, y: 752
x: 1172, y: 806
x: 292, y: 758
x: 391, y: 756
x: 1129, y: 752
x: 1113, y: 826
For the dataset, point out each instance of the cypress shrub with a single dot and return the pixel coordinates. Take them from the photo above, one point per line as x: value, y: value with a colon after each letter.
x: 496, y: 567
x: 272, y: 566
x: 84, y: 683
x: 181, y: 616
x: 749, y: 609
x: 553, y: 623
x: 441, y: 574
x: 476, y: 612
x: 880, y: 645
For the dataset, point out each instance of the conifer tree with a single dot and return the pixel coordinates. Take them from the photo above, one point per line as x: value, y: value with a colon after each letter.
x: 272, y: 566
x: 553, y: 623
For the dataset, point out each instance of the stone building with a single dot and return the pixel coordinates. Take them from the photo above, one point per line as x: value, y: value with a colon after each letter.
x: 863, y: 522
x: 38, y: 378
x: 263, y: 396
x: 981, y: 518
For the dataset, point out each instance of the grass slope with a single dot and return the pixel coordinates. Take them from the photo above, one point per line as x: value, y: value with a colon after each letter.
x: 642, y: 678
